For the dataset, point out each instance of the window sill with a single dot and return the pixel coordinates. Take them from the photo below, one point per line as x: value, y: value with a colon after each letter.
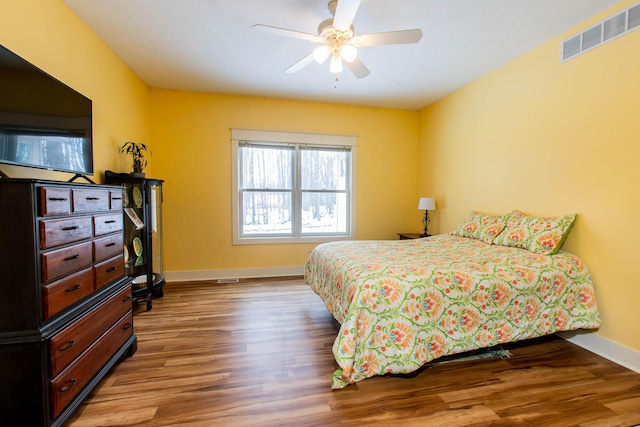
x: 287, y: 240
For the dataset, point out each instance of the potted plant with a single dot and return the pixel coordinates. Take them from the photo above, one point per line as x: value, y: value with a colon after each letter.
x: 136, y: 149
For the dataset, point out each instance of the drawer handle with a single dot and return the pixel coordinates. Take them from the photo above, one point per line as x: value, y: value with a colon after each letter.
x: 127, y: 298
x: 111, y: 221
x: 72, y: 257
x: 110, y: 269
x: 74, y: 287
x: 74, y: 227
x: 109, y: 244
x: 117, y: 198
x: 93, y: 198
x: 58, y: 199
x: 68, y: 346
x: 66, y: 388
x: 127, y: 325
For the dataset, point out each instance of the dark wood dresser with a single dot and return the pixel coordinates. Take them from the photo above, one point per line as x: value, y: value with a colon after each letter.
x: 65, y: 304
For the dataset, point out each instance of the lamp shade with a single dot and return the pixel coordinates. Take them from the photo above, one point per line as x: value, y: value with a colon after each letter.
x: 321, y: 53
x: 427, y: 204
x: 336, y: 64
x: 348, y: 52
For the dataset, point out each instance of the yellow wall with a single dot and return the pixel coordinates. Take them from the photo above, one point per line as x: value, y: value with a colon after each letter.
x: 47, y: 34
x: 536, y: 135
x: 192, y: 153
x: 550, y: 138
x: 189, y: 138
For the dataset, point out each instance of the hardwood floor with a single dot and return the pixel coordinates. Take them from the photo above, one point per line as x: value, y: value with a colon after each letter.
x: 258, y: 353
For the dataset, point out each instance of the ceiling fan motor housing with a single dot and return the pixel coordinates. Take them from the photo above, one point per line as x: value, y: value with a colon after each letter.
x: 328, y: 33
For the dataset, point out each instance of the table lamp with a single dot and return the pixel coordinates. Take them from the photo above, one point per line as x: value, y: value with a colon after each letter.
x: 426, y: 204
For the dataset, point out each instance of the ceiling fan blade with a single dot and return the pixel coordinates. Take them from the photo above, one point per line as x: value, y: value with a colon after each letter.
x: 300, y: 64
x: 358, y: 68
x: 392, y: 37
x: 284, y: 32
x: 345, y: 12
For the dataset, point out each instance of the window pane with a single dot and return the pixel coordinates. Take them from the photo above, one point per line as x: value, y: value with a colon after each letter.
x: 265, y: 166
x: 292, y: 187
x: 324, y: 169
x: 266, y: 212
x: 324, y: 212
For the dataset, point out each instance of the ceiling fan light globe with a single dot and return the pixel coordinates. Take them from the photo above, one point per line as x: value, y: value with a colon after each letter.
x: 336, y: 64
x: 348, y: 52
x: 321, y: 53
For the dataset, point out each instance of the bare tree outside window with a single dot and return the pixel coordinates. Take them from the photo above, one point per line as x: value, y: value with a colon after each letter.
x: 324, y: 174
x: 294, y: 190
x: 267, y: 189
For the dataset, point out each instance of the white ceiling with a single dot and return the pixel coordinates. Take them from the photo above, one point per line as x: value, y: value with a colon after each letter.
x: 210, y: 45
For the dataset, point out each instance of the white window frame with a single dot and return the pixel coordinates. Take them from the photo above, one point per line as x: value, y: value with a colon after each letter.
x: 300, y: 138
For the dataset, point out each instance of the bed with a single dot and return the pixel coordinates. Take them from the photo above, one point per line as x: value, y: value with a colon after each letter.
x: 403, y: 303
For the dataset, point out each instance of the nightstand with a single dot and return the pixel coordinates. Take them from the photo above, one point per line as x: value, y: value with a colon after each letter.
x: 410, y: 236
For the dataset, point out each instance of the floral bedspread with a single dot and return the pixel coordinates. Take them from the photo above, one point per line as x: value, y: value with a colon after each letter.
x: 403, y: 303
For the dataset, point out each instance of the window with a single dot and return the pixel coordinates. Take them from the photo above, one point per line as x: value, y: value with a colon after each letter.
x: 292, y: 187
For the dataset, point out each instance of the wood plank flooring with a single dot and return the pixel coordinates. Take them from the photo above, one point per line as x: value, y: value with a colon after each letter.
x: 258, y: 353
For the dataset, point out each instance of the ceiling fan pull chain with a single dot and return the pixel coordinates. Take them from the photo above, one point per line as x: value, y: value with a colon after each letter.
x: 335, y: 84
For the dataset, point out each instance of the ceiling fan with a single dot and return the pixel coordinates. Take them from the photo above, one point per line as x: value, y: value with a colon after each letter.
x: 338, y: 39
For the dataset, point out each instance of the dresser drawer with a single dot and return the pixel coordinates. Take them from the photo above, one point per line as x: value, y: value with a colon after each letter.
x: 56, y: 232
x: 108, y: 223
x: 77, y: 375
x: 60, y: 262
x: 89, y: 200
x: 106, y: 247
x: 55, y: 201
x: 62, y: 293
x: 115, y: 197
x: 68, y: 344
x: 108, y: 271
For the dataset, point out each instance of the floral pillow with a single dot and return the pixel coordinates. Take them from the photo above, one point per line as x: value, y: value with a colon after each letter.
x: 540, y: 235
x: 481, y: 226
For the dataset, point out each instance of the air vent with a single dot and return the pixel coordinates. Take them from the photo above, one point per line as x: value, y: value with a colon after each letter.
x: 614, y: 26
x: 600, y: 33
x: 571, y: 47
x: 634, y: 17
x: 592, y: 37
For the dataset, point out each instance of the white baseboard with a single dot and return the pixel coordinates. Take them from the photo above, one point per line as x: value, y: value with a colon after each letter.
x: 610, y: 350
x: 243, y: 273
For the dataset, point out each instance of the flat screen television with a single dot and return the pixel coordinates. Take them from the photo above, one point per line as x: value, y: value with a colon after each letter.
x: 43, y: 122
